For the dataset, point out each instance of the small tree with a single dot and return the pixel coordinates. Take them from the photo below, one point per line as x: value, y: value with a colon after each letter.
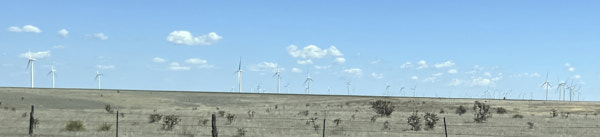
x: 221, y: 113
x: 430, y: 120
x: 530, y: 125
x: 74, y: 126
x: 108, y: 109
x: 170, y: 121
x: 461, y: 110
x: 337, y: 121
x: 155, y: 118
x: 383, y: 107
x: 414, y: 121
x: 241, y: 132
x: 482, y: 112
x: 230, y: 118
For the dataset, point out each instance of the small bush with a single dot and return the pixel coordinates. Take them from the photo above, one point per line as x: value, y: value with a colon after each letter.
x: 24, y: 114
x: 204, y: 122
x: 414, y: 121
x: 303, y: 113
x: 109, y: 109
x: 500, y: 110
x: 221, y: 113
x: 386, y: 125
x: 155, y: 118
x: 554, y: 113
x: 353, y: 116
x: 122, y: 115
x: 517, y: 116
x: 74, y: 126
x: 482, y: 112
x: 311, y: 120
x: 104, y: 127
x: 430, y: 120
x: 170, y: 121
x: 13, y: 109
x: 241, y: 132
x: 230, y: 118
x: 337, y: 121
x: 383, y: 107
x: 461, y: 110
x: 251, y: 113
x: 442, y: 111
x: 530, y: 125
x: 373, y: 119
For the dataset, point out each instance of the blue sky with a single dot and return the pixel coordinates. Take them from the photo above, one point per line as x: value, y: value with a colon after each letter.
x: 456, y: 49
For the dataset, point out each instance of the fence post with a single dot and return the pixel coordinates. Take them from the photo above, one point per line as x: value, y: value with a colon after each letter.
x: 324, y: 119
x: 214, y: 126
x: 445, y: 130
x: 31, y: 120
x: 117, y: 127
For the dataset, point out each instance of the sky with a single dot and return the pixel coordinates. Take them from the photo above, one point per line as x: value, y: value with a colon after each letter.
x: 458, y: 49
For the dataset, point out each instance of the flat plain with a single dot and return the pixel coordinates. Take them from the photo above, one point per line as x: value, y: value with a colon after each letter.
x: 279, y: 115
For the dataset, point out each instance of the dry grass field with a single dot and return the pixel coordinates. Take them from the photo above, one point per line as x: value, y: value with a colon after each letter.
x: 279, y: 115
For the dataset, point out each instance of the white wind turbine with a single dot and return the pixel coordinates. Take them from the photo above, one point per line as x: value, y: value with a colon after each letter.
x: 53, y: 73
x: 98, y: 77
x: 558, y: 88
x: 239, y: 71
x: 308, y: 80
x: 548, y: 86
x: 30, y: 61
x: 278, y: 74
x: 286, y: 86
x: 348, y: 84
x: 387, y: 89
x: 414, y: 89
x: 401, y: 93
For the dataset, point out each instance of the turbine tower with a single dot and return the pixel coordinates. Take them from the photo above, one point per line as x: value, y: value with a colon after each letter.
x: 278, y: 74
x: 558, y: 88
x: 98, y: 77
x: 239, y: 71
x: 414, y: 89
x: 308, y: 80
x: 401, y: 88
x: 348, y: 84
x: 30, y: 61
x: 53, y: 73
x: 547, y: 84
x: 286, y: 86
x: 387, y: 89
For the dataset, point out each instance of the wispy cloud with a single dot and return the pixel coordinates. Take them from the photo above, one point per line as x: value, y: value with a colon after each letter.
x: 296, y: 70
x: 339, y: 60
x: 353, y: 71
x: 406, y: 65
x: 445, y: 64
x: 182, y: 37
x: 99, y: 36
x: 422, y: 64
x: 26, y: 28
x: 377, y: 75
x: 313, y: 52
x: 36, y: 55
x: 105, y: 66
x: 196, y: 61
x: 263, y: 66
x: 63, y: 33
x: 452, y: 71
x: 158, y: 60
x: 177, y: 66
x: 414, y: 78
x: 569, y: 67
x: 304, y: 62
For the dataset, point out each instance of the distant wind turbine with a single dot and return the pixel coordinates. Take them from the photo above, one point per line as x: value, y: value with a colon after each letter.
x: 387, y: 89
x: 239, y: 71
x: 286, y: 86
x: 30, y: 61
x: 278, y: 74
x: 548, y: 86
x: 308, y: 80
x: 348, y: 84
x: 414, y: 89
x: 401, y: 93
x: 558, y: 88
x: 98, y: 77
x: 258, y: 88
x: 53, y: 73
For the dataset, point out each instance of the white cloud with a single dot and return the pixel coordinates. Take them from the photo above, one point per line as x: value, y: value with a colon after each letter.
x: 304, y: 62
x: 26, y: 28
x: 414, y: 77
x: 183, y: 37
x: 406, y: 65
x: 479, y: 81
x: 100, y: 36
x: 576, y: 76
x: 527, y: 74
x: 196, y: 61
x: 571, y: 69
x: 339, y: 60
x: 105, y: 66
x: 158, y: 60
x: 63, y: 33
x: 437, y: 74
x: 263, y: 66
x: 377, y: 75
x: 375, y: 61
x: 58, y: 47
x: 177, y: 66
x: 456, y: 82
x: 430, y: 79
x: 487, y: 74
x: 452, y: 71
x: 35, y: 55
x: 422, y: 64
x: 296, y: 70
x: 445, y: 64
x: 322, y: 67
x: 313, y: 52
x: 567, y: 64
x: 353, y: 71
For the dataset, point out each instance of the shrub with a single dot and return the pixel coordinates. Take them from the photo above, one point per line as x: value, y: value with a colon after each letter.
x: 122, y: 115
x: 104, y: 127
x: 303, y: 113
x: 414, y: 121
x: 517, y: 116
x: 74, y: 126
x: 353, y: 116
x: 373, y: 118
x: 108, y: 109
x: 24, y: 114
x: 13, y: 109
x: 530, y: 125
x: 251, y: 114
x: 230, y: 118
x: 461, y: 110
x: 500, y: 110
x: 170, y: 121
x: 383, y: 107
x: 311, y: 120
x: 241, y: 132
x: 204, y: 121
x: 155, y: 118
x: 337, y: 121
x: 482, y: 112
x: 221, y: 113
x: 386, y: 125
x: 430, y: 120
x: 442, y: 111
x: 554, y: 112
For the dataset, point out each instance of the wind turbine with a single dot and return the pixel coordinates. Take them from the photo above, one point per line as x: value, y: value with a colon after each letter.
x: 547, y: 84
x: 401, y: 93
x: 558, y: 88
x: 278, y: 74
x: 387, y: 89
x: 98, y: 77
x: 286, y: 86
x: 53, y: 72
x: 348, y: 84
x: 571, y: 91
x: 239, y: 71
x: 414, y: 89
x: 258, y: 88
x: 30, y: 61
x: 308, y: 80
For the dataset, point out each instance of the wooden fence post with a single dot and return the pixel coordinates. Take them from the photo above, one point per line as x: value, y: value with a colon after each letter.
x: 31, y: 121
x: 445, y: 130
x: 324, y: 119
x: 214, y: 126
x: 117, y: 127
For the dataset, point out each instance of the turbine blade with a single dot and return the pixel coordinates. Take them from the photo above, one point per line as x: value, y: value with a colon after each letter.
x: 28, y: 63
